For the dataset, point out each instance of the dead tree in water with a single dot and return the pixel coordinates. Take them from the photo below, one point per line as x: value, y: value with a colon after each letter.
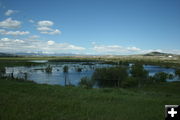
x: 25, y: 76
x: 12, y: 76
x: 65, y: 70
x: 2, y: 71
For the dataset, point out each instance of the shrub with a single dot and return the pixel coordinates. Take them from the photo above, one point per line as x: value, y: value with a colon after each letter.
x: 110, y: 77
x: 130, y: 82
x: 177, y: 72
x: 137, y: 71
x: 160, y: 77
x: 150, y: 80
x: 85, y: 82
x: 79, y: 69
x: 48, y: 69
x: 65, y: 69
x: 170, y: 76
x: 2, y: 71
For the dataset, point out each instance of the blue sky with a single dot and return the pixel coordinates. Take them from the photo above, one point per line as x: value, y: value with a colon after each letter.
x: 90, y: 26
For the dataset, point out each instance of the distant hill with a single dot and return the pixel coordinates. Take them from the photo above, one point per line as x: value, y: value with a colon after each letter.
x: 158, y: 54
x: 7, y: 55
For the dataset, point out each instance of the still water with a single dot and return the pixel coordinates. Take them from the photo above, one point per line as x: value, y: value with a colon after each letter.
x: 39, y: 75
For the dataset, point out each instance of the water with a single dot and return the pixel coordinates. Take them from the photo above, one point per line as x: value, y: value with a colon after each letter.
x: 39, y: 61
x: 39, y: 75
x: 152, y: 69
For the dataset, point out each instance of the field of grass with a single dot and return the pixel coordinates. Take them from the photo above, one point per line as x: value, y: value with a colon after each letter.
x: 30, y: 101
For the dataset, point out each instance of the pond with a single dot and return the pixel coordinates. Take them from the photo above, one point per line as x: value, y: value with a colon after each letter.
x: 57, y: 76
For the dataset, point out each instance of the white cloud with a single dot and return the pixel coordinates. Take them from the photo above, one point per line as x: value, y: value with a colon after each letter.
x: 45, y: 23
x: 34, y: 37
x: 56, y: 31
x: 31, y: 21
x: 52, y: 46
x: 9, y: 23
x: 114, y: 49
x: 11, y: 41
x: 134, y: 49
x: 34, y: 45
x: 5, y: 39
x: 121, y: 50
x: 45, y: 28
x: 10, y: 12
x: 15, y: 33
x: 51, y: 32
x: 18, y: 41
x: 50, y: 42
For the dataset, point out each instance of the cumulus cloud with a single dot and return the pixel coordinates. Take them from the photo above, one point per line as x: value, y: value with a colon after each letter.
x: 121, y: 50
x: 114, y: 49
x: 50, y: 42
x: 10, y: 12
x: 5, y: 39
x: 11, y: 41
x: 45, y: 23
x: 56, y: 31
x: 45, y: 28
x: 133, y: 49
x: 51, y: 32
x: 34, y: 45
x: 15, y: 33
x: 10, y: 23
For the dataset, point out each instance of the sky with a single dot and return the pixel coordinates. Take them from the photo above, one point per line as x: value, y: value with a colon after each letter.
x: 97, y: 27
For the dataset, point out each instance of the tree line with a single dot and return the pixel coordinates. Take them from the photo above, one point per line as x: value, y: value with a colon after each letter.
x: 120, y: 76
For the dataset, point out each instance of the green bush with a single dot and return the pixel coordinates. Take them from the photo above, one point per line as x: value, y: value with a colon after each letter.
x: 160, y: 77
x: 2, y: 71
x: 65, y: 69
x: 48, y: 69
x: 110, y: 77
x: 177, y: 72
x: 79, y: 69
x: 150, y: 80
x: 86, y: 82
x: 139, y: 73
x: 130, y: 82
x: 170, y: 76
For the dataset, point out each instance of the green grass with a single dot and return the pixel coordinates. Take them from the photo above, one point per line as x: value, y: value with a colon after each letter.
x: 30, y: 101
